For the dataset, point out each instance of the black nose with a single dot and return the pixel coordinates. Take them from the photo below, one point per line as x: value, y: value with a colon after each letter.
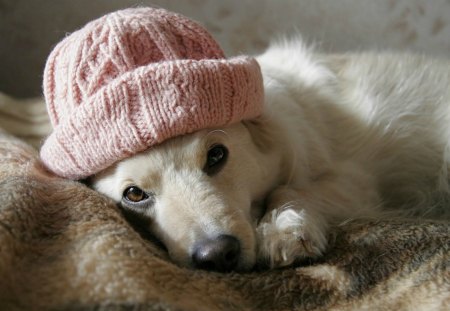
x: 219, y: 254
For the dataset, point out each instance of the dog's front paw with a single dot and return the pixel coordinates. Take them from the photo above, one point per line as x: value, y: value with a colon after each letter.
x: 290, y: 232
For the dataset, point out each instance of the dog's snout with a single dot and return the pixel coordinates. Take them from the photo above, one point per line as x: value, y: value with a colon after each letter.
x: 219, y: 254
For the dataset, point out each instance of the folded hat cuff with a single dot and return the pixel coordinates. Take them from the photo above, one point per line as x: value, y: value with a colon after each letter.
x: 149, y: 105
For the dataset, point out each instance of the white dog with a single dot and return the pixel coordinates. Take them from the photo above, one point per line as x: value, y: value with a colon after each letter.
x: 341, y: 137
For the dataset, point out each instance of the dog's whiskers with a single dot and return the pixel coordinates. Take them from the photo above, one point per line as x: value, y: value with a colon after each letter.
x: 216, y: 131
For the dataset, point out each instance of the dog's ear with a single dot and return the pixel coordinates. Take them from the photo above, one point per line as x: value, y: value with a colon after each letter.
x: 262, y: 131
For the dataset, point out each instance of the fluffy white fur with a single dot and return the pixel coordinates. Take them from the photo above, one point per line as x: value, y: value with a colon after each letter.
x: 341, y: 137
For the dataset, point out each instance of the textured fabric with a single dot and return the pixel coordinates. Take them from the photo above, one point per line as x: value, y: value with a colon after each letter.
x: 64, y: 246
x: 135, y: 78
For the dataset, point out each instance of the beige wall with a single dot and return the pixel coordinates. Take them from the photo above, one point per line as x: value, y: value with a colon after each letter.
x: 29, y: 28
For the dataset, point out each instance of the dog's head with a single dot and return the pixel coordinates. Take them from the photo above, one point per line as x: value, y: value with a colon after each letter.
x: 200, y: 194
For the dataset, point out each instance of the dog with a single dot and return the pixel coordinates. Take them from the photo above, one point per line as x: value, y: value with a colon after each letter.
x: 341, y: 137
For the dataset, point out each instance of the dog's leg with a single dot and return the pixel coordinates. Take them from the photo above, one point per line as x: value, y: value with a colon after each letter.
x: 295, y: 225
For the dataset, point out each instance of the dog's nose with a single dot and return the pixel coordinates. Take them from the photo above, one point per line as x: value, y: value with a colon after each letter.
x: 219, y: 254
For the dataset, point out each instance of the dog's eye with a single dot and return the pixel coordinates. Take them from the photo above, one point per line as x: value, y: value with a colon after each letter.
x: 136, y: 199
x: 134, y: 194
x: 215, y: 159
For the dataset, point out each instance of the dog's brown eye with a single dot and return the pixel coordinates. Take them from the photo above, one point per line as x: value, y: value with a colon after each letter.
x: 134, y: 194
x: 136, y: 199
x: 215, y: 160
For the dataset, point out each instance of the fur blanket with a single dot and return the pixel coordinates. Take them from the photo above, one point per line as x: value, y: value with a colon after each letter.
x: 64, y: 246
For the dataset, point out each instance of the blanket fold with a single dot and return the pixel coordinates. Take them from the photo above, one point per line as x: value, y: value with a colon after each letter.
x: 64, y: 246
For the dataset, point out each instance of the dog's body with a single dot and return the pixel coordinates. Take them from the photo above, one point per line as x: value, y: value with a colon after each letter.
x: 341, y: 137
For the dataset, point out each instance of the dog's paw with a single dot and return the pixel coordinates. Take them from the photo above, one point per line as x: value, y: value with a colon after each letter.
x: 289, y: 232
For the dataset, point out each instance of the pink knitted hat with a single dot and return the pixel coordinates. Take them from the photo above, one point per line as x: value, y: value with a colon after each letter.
x: 134, y: 78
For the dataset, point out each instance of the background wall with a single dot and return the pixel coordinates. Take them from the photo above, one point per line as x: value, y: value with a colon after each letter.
x: 29, y: 28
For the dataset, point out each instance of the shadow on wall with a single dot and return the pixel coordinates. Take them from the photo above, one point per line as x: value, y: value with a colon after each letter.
x: 29, y: 29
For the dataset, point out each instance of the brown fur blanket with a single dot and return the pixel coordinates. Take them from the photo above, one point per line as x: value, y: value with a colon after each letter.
x: 64, y: 246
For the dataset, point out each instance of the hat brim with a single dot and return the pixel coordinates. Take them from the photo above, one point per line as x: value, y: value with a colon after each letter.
x: 149, y: 105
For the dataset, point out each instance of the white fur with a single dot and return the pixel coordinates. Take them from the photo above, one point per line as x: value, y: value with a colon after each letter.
x: 341, y: 137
